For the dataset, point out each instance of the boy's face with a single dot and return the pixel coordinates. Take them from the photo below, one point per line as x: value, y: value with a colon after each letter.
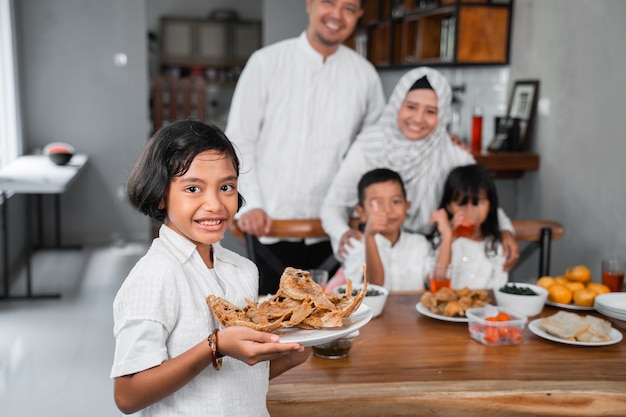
x: 418, y: 114
x: 385, y: 201
x: 331, y: 22
x: 202, y: 203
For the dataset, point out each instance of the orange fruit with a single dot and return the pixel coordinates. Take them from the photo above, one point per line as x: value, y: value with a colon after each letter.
x: 597, y: 287
x: 574, y: 286
x: 545, y: 281
x: 584, y: 297
x: 578, y: 273
x: 561, y: 280
x: 558, y: 293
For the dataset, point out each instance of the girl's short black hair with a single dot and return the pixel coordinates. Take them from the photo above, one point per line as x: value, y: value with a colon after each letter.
x: 169, y: 154
x: 376, y: 176
x: 462, y: 186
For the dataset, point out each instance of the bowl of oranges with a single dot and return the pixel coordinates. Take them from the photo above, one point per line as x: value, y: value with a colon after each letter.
x: 575, y: 289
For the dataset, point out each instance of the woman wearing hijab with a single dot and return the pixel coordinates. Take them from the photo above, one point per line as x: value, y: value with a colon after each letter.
x: 410, y: 138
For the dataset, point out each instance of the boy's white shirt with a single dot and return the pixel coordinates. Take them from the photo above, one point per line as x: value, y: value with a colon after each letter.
x: 406, y: 264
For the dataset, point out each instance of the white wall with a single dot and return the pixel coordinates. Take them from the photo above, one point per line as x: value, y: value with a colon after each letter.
x: 576, y: 49
x: 72, y: 92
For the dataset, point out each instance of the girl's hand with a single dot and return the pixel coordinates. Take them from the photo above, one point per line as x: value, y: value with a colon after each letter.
x: 290, y: 360
x: 252, y: 346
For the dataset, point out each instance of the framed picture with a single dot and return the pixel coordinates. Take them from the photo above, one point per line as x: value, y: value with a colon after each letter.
x: 523, y: 106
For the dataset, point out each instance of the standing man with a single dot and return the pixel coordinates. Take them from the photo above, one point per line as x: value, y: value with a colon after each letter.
x: 297, y: 107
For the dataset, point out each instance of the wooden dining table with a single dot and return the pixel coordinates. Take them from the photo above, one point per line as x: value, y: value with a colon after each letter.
x: 406, y: 364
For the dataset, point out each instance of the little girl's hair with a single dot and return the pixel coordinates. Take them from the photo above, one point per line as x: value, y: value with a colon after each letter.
x: 462, y: 186
x: 169, y: 154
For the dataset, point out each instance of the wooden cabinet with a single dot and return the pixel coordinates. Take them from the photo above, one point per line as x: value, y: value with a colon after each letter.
x: 397, y: 33
x: 208, y: 43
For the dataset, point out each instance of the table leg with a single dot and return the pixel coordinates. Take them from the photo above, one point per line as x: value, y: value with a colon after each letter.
x: 5, y: 247
x: 28, y: 258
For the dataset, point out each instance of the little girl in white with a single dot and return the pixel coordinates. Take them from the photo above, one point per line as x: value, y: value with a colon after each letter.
x: 171, y: 357
x: 469, y: 196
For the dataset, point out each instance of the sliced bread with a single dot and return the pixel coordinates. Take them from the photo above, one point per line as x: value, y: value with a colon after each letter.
x: 598, y: 331
x: 564, y: 325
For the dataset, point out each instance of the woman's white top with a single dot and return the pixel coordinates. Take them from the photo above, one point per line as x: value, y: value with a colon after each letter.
x: 423, y: 164
x: 472, y: 268
x: 406, y: 264
x: 161, y: 311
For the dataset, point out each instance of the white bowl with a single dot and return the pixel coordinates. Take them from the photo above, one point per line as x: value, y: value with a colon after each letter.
x: 376, y: 303
x: 528, y: 305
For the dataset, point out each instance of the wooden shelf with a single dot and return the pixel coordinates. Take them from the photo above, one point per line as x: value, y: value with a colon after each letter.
x: 405, y: 33
x: 508, y: 164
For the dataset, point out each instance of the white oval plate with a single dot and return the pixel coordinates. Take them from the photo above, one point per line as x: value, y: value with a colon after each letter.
x: 426, y: 312
x: 570, y: 306
x: 307, y: 337
x: 615, y: 336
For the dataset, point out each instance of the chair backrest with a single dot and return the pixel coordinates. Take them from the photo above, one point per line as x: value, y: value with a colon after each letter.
x: 284, y: 229
x: 178, y: 99
x: 540, y: 234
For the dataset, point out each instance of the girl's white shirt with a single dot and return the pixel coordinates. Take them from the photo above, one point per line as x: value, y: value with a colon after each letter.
x: 406, y: 264
x: 160, y: 312
x: 472, y: 268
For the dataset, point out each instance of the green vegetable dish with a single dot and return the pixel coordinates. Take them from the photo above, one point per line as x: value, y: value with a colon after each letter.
x: 370, y: 292
x: 514, y: 289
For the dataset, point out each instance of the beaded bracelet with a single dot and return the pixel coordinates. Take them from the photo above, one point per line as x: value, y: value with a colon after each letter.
x: 216, y: 357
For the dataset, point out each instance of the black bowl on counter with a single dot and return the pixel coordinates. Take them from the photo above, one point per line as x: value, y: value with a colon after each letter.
x: 59, y: 153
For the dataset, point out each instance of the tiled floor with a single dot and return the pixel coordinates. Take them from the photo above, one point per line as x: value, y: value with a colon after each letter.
x: 56, y: 354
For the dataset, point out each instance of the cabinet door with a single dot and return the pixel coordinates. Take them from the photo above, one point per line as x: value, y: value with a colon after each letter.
x: 212, y: 43
x: 483, y: 35
x: 177, y: 41
x: 246, y: 40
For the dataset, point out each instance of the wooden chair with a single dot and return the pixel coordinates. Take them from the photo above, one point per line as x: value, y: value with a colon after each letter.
x: 284, y: 229
x: 539, y: 234
x: 178, y: 99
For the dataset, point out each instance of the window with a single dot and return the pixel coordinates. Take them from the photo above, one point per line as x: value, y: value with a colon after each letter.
x: 10, y: 121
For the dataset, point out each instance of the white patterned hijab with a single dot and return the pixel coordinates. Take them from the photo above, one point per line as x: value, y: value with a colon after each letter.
x: 422, y: 164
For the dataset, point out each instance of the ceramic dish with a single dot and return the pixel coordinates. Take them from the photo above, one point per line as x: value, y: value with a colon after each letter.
x: 315, y: 337
x: 615, y: 336
x: 614, y: 301
x: 426, y: 312
x: 570, y: 306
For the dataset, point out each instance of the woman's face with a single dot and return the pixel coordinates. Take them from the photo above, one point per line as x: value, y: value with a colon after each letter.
x: 417, y: 116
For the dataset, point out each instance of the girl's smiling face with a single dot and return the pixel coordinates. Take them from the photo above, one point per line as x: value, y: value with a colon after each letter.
x: 202, y: 203
x: 418, y: 114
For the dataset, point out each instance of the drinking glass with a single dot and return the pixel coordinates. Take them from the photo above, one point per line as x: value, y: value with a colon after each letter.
x: 439, y: 277
x: 613, y: 274
x: 320, y: 276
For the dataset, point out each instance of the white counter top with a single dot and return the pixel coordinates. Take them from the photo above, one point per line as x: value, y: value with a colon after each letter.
x: 36, y: 174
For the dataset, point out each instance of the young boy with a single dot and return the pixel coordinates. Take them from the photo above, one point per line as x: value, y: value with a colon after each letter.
x: 395, y: 259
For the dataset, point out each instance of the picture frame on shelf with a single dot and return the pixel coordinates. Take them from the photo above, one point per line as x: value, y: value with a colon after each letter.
x: 523, y: 106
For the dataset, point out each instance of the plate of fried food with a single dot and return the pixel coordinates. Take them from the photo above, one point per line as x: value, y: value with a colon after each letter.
x: 300, y: 311
x: 450, y: 304
x: 575, y: 329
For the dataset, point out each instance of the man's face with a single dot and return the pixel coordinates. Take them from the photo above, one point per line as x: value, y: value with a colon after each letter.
x: 331, y: 22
